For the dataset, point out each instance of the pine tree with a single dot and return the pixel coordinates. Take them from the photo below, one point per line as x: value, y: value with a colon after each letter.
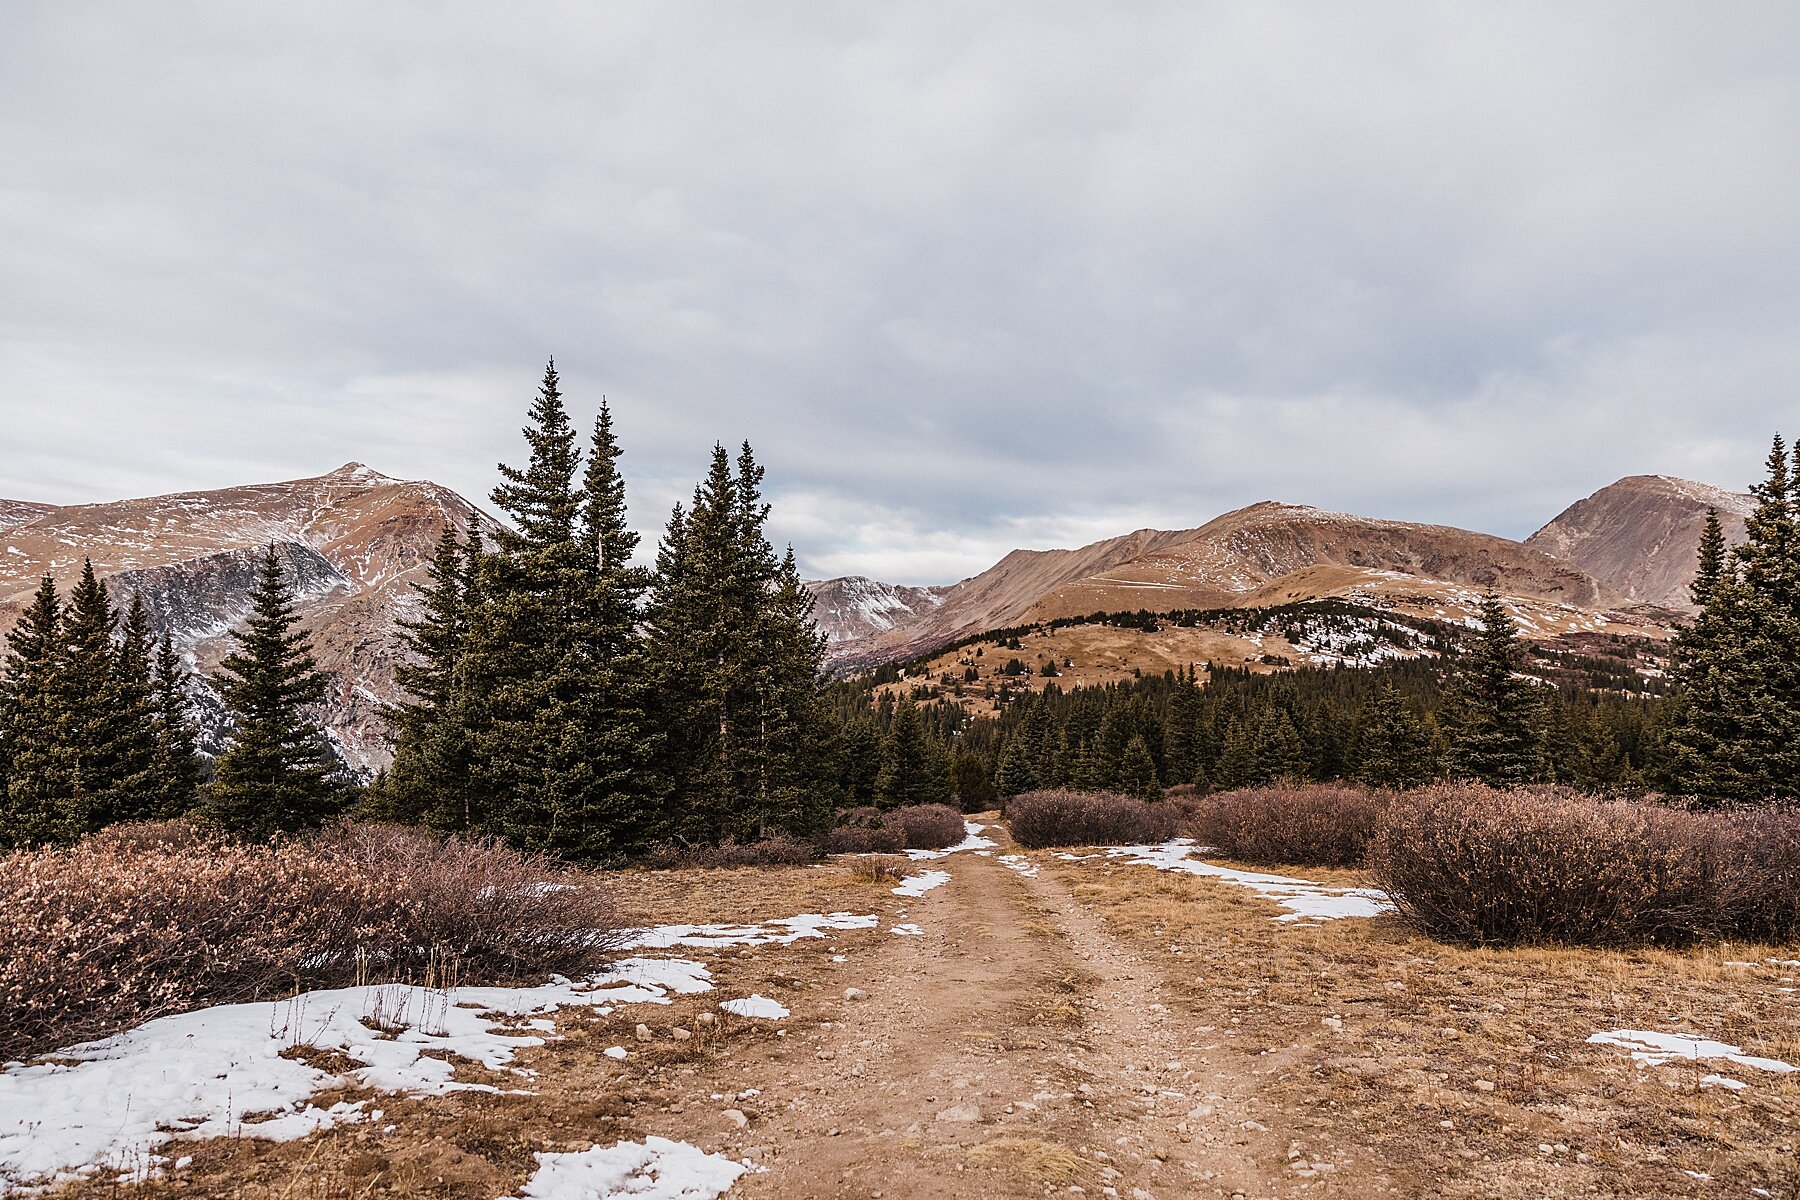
x: 1279, y: 752
x: 133, y: 788
x: 430, y: 771
x: 1711, y: 568
x: 1137, y: 769
x: 1237, y: 765
x: 94, y: 706
x: 1734, y: 736
x: 737, y: 662
x: 41, y: 787
x: 540, y: 498
x: 276, y: 773
x: 1016, y: 774
x: 973, y: 782
x: 1393, y: 749
x: 913, y: 770
x: 176, y: 774
x: 1498, y: 734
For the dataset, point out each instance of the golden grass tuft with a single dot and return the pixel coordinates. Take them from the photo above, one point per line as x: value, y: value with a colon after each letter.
x: 1045, y: 1161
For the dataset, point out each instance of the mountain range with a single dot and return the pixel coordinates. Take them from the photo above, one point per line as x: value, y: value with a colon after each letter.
x: 356, y: 541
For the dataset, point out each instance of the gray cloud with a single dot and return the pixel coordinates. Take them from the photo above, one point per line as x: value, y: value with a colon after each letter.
x: 970, y: 277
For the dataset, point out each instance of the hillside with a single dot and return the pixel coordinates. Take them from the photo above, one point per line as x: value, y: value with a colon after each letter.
x: 853, y: 606
x: 1640, y: 535
x: 1264, y: 555
x: 355, y: 540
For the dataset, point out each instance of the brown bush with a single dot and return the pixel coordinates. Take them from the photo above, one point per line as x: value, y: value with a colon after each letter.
x: 1762, y: 874
x: 777, y: 851
x: 126, y: 927
x: 1061, y: 817
x: 928, y: 826
x: 1307, y: 824
x: 916, y: 827
x: 1484, y: 867
x: 879, y: 868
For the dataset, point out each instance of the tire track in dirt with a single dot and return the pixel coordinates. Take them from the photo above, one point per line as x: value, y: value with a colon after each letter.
x: 1017, y: 1048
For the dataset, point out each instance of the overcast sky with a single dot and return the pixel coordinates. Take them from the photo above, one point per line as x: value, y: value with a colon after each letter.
x: 970, y: 276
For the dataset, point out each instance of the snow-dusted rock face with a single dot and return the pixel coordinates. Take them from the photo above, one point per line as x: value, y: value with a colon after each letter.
x: 1640, y: 535
x: 354, y: 541
x: 854, y: 606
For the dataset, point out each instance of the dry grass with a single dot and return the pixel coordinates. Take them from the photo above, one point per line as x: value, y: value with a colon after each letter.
x: 1425, y: 1025
x: 878, y: 868
x: 1043, y: 1161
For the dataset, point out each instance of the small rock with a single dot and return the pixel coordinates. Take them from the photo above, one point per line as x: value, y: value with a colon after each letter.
x: 961, y: 1114
x: 855, y: 994
x: 706, y: 1019
x: 1484, y: 1085
x: 1200, y: 1112
x: 680, y: 1034
x: 643, y: 1032
x: 1333, y: 1023
x: 736, y: 1117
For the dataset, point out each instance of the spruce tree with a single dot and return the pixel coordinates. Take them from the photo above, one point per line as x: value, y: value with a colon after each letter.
x: 429, y: 775
x: 41, y: 786
x: 1711, y: 567
x: 973, y: 782
x: 1237, y: 765
x: 132, y: 791
x: 1017, y: 774
x: 1393, y: 749
x: 1498, y: 732
x: 177, y: 769
x: 276, y: 773
x: 1137, y: 769
x: 1734, y: 736
x: 95, y: 705
x: 913, y: 769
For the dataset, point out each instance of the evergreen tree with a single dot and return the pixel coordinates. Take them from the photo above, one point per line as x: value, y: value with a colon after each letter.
x: 540, y: 497
x: 1016, y: 774
x: 1711, y: 568
x: 428, y: 780
x: 1237, y: 765
x: 913, y: 770
x: 1137, y: 770
x: 40, y: 805
x: 131, y: 793
x: 1734, y: 736
x: 1393, y: 750
x: 1279, y: 752
x: 973, y: 783
x: 276, y: 773
x: 1498, y: 734
x: 176, y: 769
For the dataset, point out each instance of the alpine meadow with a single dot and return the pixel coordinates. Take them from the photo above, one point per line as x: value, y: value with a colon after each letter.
x: 918, y: 709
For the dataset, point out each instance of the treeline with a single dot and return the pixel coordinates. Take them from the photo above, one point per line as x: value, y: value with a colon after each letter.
x: 572, y: 702
x: 94, y: 720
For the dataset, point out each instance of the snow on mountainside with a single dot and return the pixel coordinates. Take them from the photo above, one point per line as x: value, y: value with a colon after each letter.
x: 354, y: 540
x: 854, y: 606
x: 1267, y: 554
x: 17, y: 512
x: 1641, y: 534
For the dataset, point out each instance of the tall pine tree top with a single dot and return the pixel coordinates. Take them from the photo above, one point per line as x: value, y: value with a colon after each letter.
x: 1771, y: 551
x: 541, y: 498
x: 1712, y: 559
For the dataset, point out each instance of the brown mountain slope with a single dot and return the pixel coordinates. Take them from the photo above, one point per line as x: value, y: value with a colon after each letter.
x: 1266, y: 554
x: 354, y: 540
x: 17, y: 512
x: 1640, y: 535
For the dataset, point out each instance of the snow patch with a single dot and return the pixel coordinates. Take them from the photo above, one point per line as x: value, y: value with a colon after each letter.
x: 1021, y: 864
x: 756, y: 1006
x: 972, y: 840
x: 908, y: 930
x: 783, y: 932
x: 1654, y: 1049
x: 1304, y: 899
x: 654, y: 1169
x: 918, y: 885
x: 116, y: 1104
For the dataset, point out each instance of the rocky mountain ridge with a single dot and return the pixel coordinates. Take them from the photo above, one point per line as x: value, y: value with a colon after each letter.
x: 354, y: 540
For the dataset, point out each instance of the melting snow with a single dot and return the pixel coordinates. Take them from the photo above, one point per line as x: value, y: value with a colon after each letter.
x: 783, y: 932
x: 756, y: 1006
x: 654, y: 1169
x: 972, y: 840
x: 114, y: 1104
x: 1655, y: 1049
x: 1305, y: 899
x: 1021, y: 864
x: 918, y: 885
x: 908, y: 930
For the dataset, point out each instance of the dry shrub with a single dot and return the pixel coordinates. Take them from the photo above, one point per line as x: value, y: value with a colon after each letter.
x: 779, y: 850
x: 878, y: 868
x: 1474, y: 865
x: 1046, y: 1162
x: 1061, y: 817
x: 1306, y: 824
x: 1762, y: 874
x: 928, y: 826
x: 125, y: 927
x: 916, y: 827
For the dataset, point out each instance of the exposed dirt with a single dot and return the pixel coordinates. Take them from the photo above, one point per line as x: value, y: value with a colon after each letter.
x: 1107, y: 1028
